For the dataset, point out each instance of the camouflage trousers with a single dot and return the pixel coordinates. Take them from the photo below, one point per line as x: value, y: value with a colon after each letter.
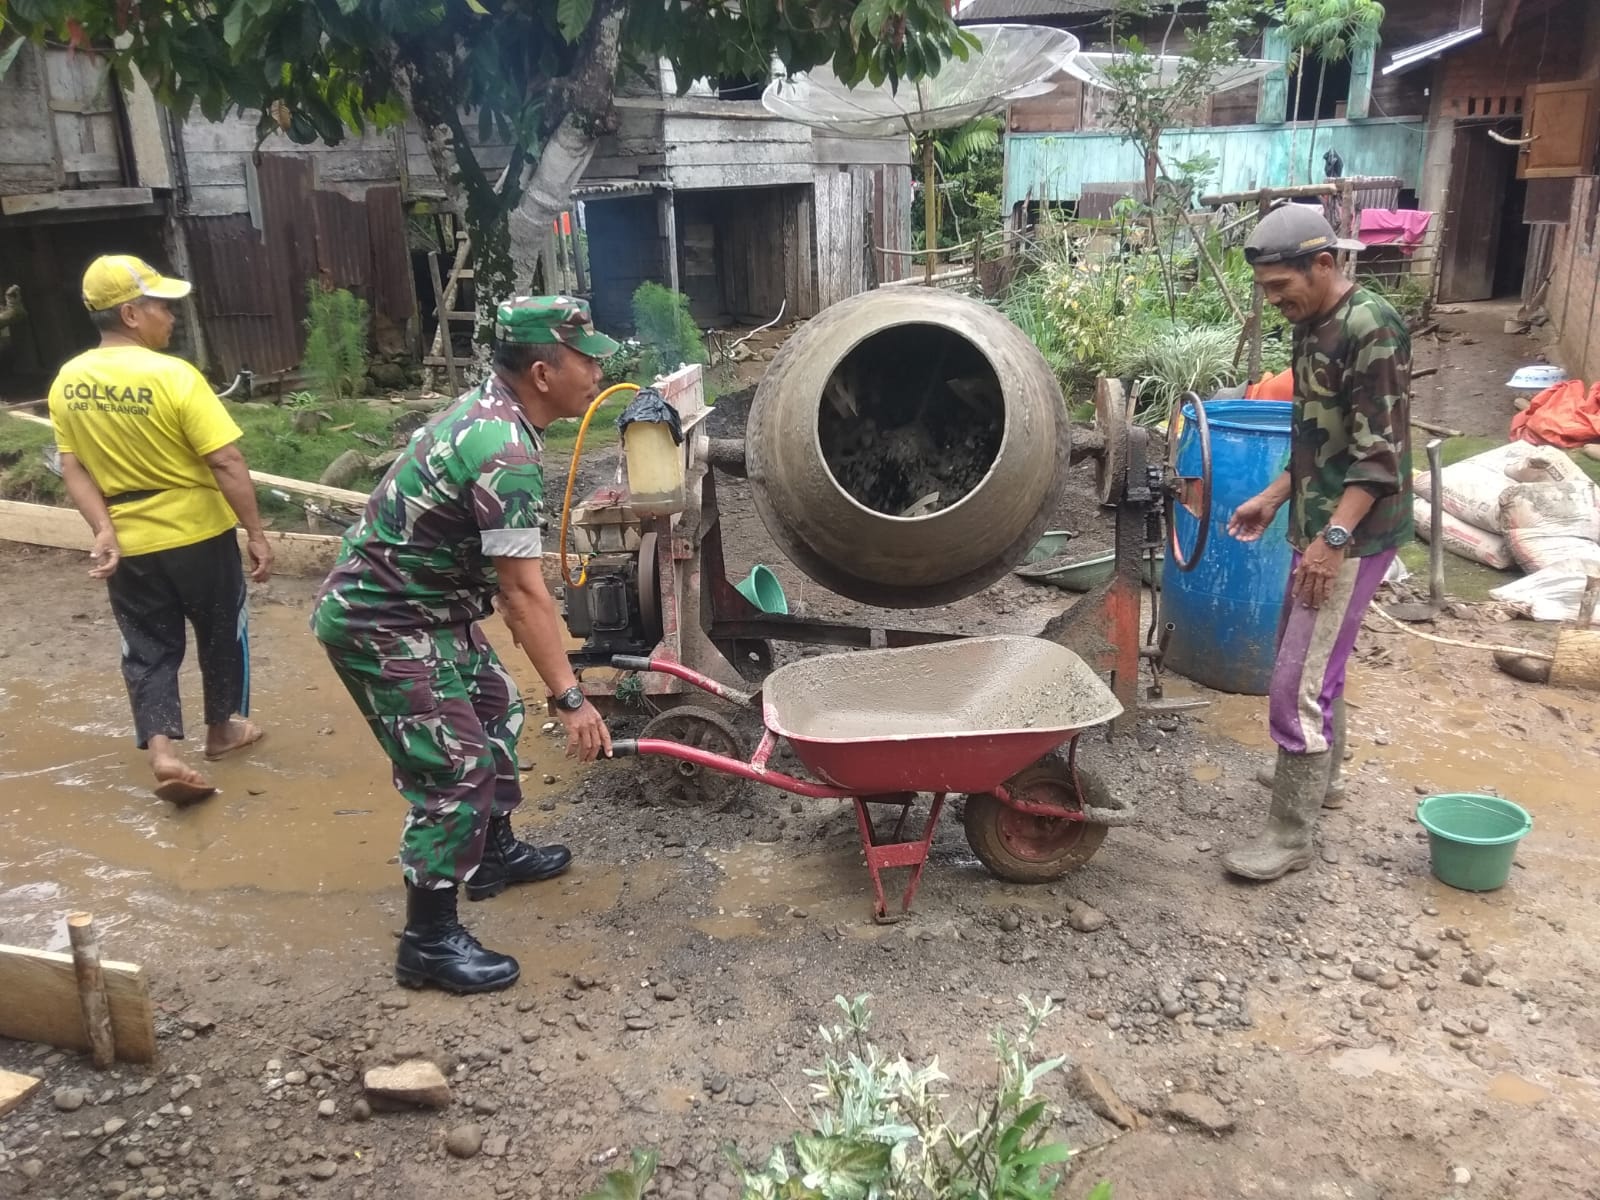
x: 448, y: 715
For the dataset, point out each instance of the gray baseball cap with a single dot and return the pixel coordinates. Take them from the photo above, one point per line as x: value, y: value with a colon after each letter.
x: 1293, y: 231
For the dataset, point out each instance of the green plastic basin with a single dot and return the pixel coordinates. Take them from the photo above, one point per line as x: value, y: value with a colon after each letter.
x: 1472, y: 839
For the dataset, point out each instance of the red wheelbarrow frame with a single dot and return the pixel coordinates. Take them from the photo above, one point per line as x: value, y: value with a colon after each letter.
x: 880, y: 853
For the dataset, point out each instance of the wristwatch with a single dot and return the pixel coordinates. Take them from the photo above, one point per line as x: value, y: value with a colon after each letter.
x: 1337, y: 537
x: 570, y: 700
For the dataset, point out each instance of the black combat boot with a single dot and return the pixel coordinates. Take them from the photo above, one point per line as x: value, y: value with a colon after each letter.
x: 436, y: 948
x: 507, y: 861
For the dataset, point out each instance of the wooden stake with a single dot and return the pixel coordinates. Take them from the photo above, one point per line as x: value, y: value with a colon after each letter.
x: 92, y: 988
x: 1444, y: 641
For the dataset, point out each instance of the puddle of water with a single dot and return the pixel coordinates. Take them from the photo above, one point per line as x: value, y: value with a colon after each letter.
x: 1364, y: 1063
x: 309, y: 815
x: 762, y: 884
x: 1514, y: 1089
x: 1205, y: 772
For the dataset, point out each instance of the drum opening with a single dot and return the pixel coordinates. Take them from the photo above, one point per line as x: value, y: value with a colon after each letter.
x: 911, y: 420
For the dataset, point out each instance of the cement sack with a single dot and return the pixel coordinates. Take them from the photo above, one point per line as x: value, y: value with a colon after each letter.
x: 1553, y: 524
x: 1468, y: 541
x: 1549, y: 595
x: 1472, y: 487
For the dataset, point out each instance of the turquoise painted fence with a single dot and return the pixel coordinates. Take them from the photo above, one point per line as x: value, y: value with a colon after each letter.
x: 1055, y: 166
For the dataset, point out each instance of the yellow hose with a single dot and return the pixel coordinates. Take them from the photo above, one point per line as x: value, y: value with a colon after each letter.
x: 572, y: 479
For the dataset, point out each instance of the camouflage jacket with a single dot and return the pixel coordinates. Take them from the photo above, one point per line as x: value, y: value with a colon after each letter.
x: 469, y: 488
x: 1352, y: 423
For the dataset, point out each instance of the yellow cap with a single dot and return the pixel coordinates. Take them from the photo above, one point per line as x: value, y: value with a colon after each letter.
x: 114, y: 279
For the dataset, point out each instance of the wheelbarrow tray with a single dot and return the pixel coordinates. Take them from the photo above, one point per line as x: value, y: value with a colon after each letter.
x: 960, y: 716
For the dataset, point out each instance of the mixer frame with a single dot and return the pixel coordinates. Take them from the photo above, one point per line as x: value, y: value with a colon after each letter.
x: 706, y: 624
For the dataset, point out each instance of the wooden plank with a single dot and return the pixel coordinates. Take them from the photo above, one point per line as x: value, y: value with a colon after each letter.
x: 15, y: 1088
x: 305, y: 555
x: 85, y: 199
x: 298, y: 487
x: 866, y: 151
x: 41, y: 991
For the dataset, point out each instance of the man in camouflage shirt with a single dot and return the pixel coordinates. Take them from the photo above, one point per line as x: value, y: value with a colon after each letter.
x: 1349, y: 491
x: 454, y: 526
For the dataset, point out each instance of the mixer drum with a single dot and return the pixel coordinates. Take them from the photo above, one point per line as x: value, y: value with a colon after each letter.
x: 907, y: 447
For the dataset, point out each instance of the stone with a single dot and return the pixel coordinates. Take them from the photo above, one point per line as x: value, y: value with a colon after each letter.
x: 666, y: 992
x: 414, y: 1084
x: 1335, y: 973
x: 1087, y: 920
x: 495, y: 1145
x: 716, y: 1084
x: 1198, y: 1110
x: 1366, y: 972
x: 134, y: 1159
x: 1478, y: 1025
x: 485, y: 1106
x: 295, y: 1078
x: 1092, y: 1088
x: 745, y: 1095
x: 1010, y: 922
x: 1461, y: 1177
x: 32, y: 1168
x: 361, y: 1111
x: 464, y: 1141
x: 1453, y: 1027
x: 1472, y: 977
x: 638, y: 1024
x: 324, y: 1168
x: 1424, y: 1003
x: 1388, y: 981
x: 113, y: 1127
x: 70, y: 1099
x: 327, y: 1108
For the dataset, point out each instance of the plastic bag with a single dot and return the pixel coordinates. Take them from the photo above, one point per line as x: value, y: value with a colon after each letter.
x: 650, y: 405
x: 1472, y: 488
x: 1549, y: 595
x: 1468, y: 541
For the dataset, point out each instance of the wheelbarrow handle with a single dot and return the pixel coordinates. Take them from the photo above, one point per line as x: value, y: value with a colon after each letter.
x: 624, y: 747
x: 630, y: 662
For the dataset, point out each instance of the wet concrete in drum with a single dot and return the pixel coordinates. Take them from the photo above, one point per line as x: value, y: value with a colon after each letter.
x: 1367, y: 1031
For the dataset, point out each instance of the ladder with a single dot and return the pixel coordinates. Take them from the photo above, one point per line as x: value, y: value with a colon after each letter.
x: 445, y: 292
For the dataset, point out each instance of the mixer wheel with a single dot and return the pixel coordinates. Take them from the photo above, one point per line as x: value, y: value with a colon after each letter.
x: 1022, y: 848
x: 685, y: 784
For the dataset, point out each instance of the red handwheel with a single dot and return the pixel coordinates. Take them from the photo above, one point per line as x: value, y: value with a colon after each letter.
x: 1192, y: 491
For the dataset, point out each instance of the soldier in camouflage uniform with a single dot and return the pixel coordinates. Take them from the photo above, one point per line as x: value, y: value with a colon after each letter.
x: 455, y: 526
x: 1348, y: 486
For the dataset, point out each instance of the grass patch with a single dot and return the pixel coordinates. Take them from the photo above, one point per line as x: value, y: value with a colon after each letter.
x: 1463, y: 579
x: 23, y: 475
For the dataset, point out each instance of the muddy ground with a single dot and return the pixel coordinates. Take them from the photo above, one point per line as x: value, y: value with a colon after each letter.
x: 1365, y: 1031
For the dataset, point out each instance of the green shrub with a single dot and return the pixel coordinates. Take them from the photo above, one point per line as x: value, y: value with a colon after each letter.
x: 882, y: 1129
x: 666, y: 332
x: 336, y: 341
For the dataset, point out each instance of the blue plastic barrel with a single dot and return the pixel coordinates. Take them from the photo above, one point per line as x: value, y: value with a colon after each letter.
x: 1225, y: 611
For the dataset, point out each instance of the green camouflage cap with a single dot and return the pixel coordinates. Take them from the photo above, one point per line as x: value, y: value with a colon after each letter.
x: 551, y: 320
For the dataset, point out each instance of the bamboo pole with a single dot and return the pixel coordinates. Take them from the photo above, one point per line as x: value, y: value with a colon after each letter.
x: 1540, y: 655
x: 92, y: 988
x: 930, y: 210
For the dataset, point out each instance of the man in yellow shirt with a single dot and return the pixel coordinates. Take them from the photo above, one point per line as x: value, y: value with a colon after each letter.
x: 150, y: 457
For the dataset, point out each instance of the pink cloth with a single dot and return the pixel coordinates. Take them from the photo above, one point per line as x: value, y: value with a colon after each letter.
x: 1385, y: 226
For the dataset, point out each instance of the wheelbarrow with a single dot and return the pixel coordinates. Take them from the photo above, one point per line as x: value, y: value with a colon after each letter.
x: 995, y: 719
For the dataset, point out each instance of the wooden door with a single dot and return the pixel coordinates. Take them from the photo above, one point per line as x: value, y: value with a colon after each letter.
x: 1559, y: 127
x: 1479, y: 175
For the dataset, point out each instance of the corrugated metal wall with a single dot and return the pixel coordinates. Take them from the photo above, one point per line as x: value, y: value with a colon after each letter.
x: 250, y: 283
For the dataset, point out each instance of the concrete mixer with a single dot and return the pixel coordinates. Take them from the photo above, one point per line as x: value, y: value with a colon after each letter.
x: 906, y: 448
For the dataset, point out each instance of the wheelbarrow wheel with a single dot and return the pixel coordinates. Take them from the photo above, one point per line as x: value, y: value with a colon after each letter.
x: 1022, y: 848
x: 685, y: 784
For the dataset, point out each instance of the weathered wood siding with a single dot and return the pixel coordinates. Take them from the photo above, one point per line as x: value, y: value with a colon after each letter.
x: 28, y: 161
x: 860, y: 211
x: 748, y: 151
x: 1054, y: 167
x: 219, y: 161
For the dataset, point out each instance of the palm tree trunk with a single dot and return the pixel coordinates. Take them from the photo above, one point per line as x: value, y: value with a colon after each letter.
x: 1316, y: 115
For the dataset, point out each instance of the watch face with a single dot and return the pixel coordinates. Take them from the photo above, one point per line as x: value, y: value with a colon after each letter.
x: 1336, y: 537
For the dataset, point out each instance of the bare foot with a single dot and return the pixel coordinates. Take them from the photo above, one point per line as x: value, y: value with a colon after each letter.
x: 179, y: 783
x: 223, y: 740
